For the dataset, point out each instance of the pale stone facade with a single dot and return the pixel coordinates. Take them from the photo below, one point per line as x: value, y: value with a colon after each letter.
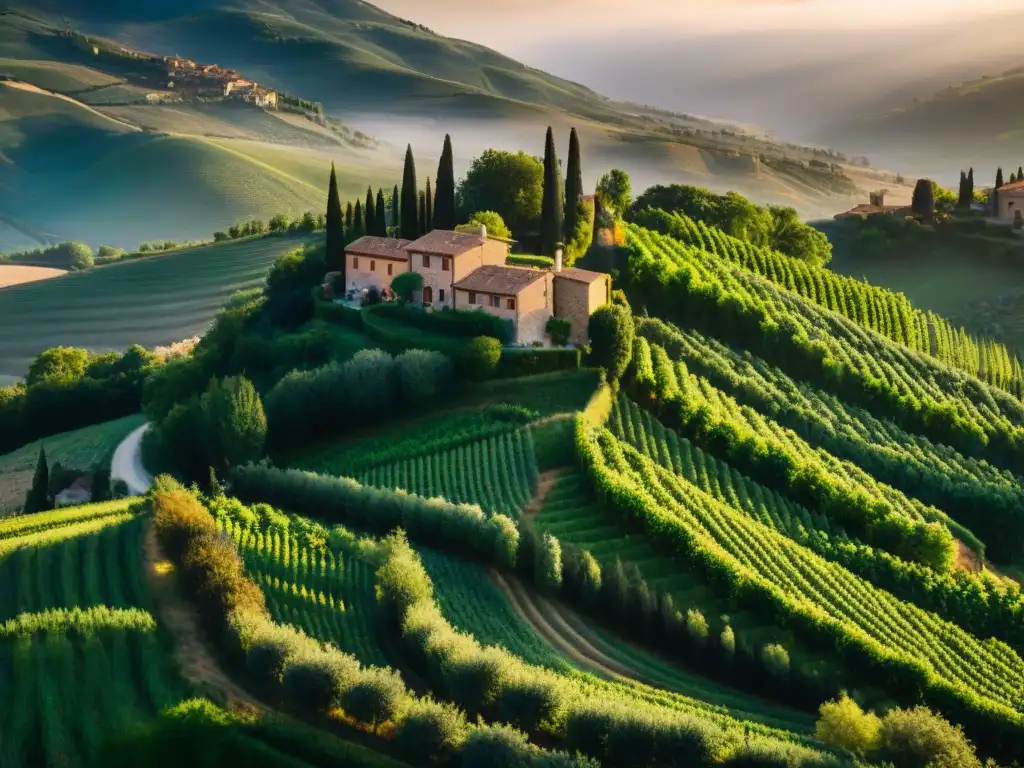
x: 1010, y: 202
x: 444, y: 258
x: 577, y: 294
x: 521, y: 295
x: 373, y: 262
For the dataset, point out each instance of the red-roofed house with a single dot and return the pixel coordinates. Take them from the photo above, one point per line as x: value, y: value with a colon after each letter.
x: 374, y: 261
x: 1010, y: 201
x: 444, y: 258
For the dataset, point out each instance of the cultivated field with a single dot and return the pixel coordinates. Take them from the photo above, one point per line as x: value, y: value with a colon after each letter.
x: 149, y: 301
x: 16, y: 275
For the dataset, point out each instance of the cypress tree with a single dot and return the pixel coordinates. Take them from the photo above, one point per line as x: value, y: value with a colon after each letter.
x: 358, y: 221
x: 552, y: 204
x: 999, y: 177
x: 38, y: 497
x: 970, y: 187
x: 382, y: 216
x: 334, y: 251
x: 995, y: 191
x: 573, y: 185
x: 428, y: 221
x: 395, y: 223
x: 923, y: 203
x: 421, y: 217
x: 369, y: 214
x: 349, y: 217
x: 410, y: 219
x: 444, y: 189
x: 1020, y: 173
x: 961, y: 199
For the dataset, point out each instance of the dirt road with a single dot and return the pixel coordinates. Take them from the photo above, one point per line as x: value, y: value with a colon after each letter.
x: 127, y: 463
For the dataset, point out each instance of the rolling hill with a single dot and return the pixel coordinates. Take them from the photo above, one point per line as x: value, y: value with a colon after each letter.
x: 974, y: 123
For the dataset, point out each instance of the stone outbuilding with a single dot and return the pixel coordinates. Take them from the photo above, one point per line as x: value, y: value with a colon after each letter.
x: 519, y: 294
x: 577, y: 294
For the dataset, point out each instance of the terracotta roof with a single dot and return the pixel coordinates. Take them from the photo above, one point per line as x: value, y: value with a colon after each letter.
x: 385, y: 247
x: 1014, y: 187
x: 580, y: 275
x: 508, y: 281
x: 444, y: 242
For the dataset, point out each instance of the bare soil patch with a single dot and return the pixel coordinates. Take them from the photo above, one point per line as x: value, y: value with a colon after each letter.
x: 14, y: 274
x: 545, y: 483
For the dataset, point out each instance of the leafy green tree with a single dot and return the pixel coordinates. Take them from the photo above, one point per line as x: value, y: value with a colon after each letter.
x: 58, y: 364
x: 918, y: 738
x: 432, y: 730
x: 509, y: 183
x: 410, y: 224
x: 79, y: 256
x: 552, y: 201
x: 490, y: 219
x: 444, y: 192
x: 334, y: 256
x: 38, y: 498
x: 843, y: 724
x: 381, y: 219
x: 573, y: 186
x: 428, y: 221
x: 923, y: 202
x: 614, y: 191
x: 611, y: 338
x: 375, y: 697
x: 791, y: 236
x: 548, y: 568
x: 280, y: 222
x: 234, y: 424
x: 406, y: 284
x: 369, y: 214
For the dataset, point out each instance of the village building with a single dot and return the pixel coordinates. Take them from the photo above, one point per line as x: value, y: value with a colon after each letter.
x: 373, y: 261
x: 239, y: 87
x: 519, y: 294
x: 876, y: 207
x: 444, y: 258
x: 1010, y: 201
x: 79, y: 492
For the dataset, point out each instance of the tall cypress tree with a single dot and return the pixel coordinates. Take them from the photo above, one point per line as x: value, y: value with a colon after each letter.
x: 961, y: 199
x: 349, y: 218
x: 369, y: 214
x: 395, y: 221
x: 410, y: 217
x: 970, y: 187
x: 382, y: 216
x: 573, y: 185
x: 999, y: 177
x: 444, y: 189
x: 334, y: 252
x: 552, y: 204
x: 358, y: 222
x: 995, y: 191
x: 1020, y: 173
x: 421, y: 217
x: 38, y: 497
x: 428, y: 222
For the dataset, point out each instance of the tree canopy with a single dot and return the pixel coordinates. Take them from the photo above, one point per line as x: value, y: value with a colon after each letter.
x: 615, y: 191
x: 509, y: 183
x: 493, y: 221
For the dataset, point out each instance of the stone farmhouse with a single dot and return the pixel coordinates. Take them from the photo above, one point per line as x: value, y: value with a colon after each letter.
x: 467, y: 271
x: 1010, y: 201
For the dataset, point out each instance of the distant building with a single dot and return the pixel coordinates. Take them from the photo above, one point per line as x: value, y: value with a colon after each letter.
x: 238, y: 87
x: 265, y: 98
x: 1010, y: 201
x: 79, y: 492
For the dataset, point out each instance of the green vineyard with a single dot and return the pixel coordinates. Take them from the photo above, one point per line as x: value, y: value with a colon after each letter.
x: 881, y: 310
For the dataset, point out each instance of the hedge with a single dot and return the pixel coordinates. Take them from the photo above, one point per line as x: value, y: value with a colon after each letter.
x: 450, y: 322
x: 530, y: 260
x: 529, y: 361
x: 336, y: 313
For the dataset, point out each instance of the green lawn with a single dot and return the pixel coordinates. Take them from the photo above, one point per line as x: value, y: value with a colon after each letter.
x: 148, y: 301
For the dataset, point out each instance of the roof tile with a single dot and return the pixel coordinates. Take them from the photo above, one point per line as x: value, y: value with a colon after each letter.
x: 507, y: 281
x: 580, y: 275
x: 385, y: 247
x: 444, y: 242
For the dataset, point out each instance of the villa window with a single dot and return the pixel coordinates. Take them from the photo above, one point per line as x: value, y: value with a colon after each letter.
x: 445, y: 264
x: 440, y: 295
x: 472, y: 297
x: 390, y: 266
x: 496, y: 301
x: 355, y: 262
x: 510, y: 304
x: 373, y: 265
x: 426, y: 261
x: 428, y: 295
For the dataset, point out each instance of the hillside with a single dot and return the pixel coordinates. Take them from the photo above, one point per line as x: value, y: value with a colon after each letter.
x: 971, y: 123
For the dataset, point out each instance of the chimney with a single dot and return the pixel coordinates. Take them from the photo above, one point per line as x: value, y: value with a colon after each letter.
x: 558, y: 260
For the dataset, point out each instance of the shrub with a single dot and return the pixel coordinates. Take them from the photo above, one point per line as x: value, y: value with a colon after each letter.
x: 315, y: 680
x: 843, y: 724
x: 611, y: 339
x: 697, y: 627
x: 431, y: 730
x: 480, y: 358
x: 529, y: 362
x: 529, y: 701
x: 559, y: 329
x: 529, y: 260
x: 918, y: 738
x: 375, y: 696
x: 178, y: 517
x: 423, y: 376
x: 406, y: 285
x: 474, y: 678
x: 490, y: 219
x: 775, y: 659
x: 402, y: 576
x: 496, y: 746
x: 548, y: 573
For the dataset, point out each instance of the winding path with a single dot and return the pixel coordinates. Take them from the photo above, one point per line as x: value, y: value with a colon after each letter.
x: 127, y: 463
